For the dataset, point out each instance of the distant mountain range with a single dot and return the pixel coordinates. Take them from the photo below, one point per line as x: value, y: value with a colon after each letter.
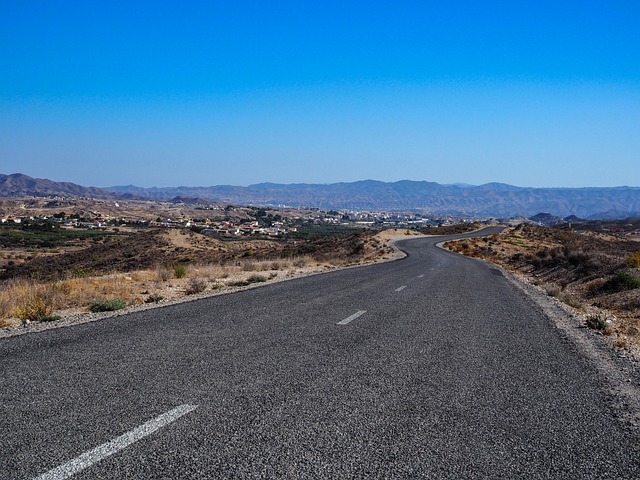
x: 19, y: 185
x: 491, y: 199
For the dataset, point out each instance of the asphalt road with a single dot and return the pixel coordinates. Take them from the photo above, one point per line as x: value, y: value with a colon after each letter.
x: 433, y: 366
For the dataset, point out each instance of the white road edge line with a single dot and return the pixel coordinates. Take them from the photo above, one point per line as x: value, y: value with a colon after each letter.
x: 399, y: 289
x: 352, y: 317
x: 106, y: 449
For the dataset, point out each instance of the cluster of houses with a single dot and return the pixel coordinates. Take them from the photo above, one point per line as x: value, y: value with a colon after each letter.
x: 240, y: 221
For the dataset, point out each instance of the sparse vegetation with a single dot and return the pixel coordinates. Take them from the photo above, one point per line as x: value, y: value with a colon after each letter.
x: 249, y: 281
x: 154, y: 298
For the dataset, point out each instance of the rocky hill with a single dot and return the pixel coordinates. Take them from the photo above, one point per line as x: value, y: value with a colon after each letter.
x: 19, y: 185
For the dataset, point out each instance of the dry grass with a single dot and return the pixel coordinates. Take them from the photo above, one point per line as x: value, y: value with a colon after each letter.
x: 33, y: 300
x: 40, y: 299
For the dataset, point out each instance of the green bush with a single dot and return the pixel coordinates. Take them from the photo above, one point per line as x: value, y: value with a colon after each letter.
x: 621, y: 281
x: 179, y: 270
x: 107, y: 305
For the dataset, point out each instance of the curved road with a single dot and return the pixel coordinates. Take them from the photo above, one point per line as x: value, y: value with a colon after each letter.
x: 433, y: 366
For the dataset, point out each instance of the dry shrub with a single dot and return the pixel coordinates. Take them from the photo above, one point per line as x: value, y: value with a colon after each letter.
x: 249, y: 266
x: 550, y: 289
x: 595, y: 287
x: 571, y: 300
x: 195, y: 285
x: 303, y: 261
x: 162, y: 274
x: 276, y: 265
x: 6, y: 309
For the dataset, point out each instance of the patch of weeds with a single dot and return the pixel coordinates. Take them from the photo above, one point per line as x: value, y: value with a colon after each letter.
x: 51, y: 318
x: 597, y: 322
x: 620, y: 282
x: 83, y: 272
x: 249, y: 253
x: 154, y: 298
x: 37, y: 306
x: 179, y: 270
x: 249, y: 281
x: 196, y: 285
x: 107, y: 305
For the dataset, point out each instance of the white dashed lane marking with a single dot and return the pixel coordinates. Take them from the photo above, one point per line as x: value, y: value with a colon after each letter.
x: 399, y: 289
x: 352, y: 317
x: 123, y: 441
x: 420, y: 276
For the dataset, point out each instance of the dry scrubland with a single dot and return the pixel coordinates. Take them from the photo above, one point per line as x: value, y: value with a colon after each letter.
x: 155, y: 266
x: 595, y: 274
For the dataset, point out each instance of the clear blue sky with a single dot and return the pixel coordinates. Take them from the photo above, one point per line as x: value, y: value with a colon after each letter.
x: 538, y: 93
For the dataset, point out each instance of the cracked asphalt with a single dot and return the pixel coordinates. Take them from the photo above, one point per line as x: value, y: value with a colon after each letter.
x: 456, y: 375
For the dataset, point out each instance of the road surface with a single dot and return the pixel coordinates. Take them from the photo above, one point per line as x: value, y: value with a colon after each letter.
x: 433, y: 366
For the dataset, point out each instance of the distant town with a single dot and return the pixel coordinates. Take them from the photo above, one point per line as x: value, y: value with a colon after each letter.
x: 217, y: 220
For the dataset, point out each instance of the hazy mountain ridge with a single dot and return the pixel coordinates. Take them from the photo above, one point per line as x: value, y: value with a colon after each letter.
x: 491, y: 199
